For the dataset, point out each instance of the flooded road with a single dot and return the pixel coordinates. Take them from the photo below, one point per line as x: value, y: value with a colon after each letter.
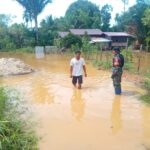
x: 89, y: 119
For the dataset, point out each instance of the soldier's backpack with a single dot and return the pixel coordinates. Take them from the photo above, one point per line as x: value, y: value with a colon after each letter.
x: 121, y: 60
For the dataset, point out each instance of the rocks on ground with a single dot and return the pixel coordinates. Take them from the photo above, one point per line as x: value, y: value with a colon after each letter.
x: 13, y: 66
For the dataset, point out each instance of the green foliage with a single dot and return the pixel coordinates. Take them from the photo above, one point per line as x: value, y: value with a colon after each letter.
x: 106, y: 17
x: 74, y: 47
x: 32, y: 9
x: 107, y: 65
x: 15, y: 133
x: 146, y: 18
x: 131, y: 21
x: 86, y: 46
x: 146, y: 98
x: 70, y: 40
x: 83, y: 14
x: 5, y: 19
x: 47, y: 31
x: 128, y: 55
x: 146, y: 22
x: 80, y: 14
x: 3, y: 98
x: 129, y: 66
x: 147, y: 85
x: 20, y: 36
x: 103, y: 64
x: 26, y: 49
x: 14, y: 36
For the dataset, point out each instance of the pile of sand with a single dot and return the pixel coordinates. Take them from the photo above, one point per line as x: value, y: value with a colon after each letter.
x: 13, y: 66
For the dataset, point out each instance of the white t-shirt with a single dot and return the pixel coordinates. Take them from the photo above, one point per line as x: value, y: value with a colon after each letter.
x: 77, y: 66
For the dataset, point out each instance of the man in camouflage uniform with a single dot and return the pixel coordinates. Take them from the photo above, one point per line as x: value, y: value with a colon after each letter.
x: 117, y: 69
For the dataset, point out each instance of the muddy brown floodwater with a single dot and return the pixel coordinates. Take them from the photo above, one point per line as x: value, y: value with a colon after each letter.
x: 89, y: 119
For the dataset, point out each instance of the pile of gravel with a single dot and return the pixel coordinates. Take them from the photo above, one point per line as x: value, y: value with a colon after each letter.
x: 13, y: 66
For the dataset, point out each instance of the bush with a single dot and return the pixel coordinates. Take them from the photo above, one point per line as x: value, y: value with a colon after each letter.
x: 26, y: 49
x: 128, y: 54
x: 146, y: 98
x: 15, y: 133
x: 129, y: 66
x: 70, y: 40
x: 2, y: 102
x: 103, y: 64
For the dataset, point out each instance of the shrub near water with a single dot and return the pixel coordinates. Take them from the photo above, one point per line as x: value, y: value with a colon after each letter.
x: 128, y: 55
x: 146, y: 98
x: 15, y: 133
x: 103, y: 64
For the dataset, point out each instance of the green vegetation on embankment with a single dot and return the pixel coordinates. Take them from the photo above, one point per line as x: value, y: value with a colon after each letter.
x: 15, y: 132
x: 146, y: 98
x: 22, y: 50
x: 103, y: 60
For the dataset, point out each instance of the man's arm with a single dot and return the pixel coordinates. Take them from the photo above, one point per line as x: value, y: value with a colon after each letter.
x: 71, y: 69
x: 84, y: 68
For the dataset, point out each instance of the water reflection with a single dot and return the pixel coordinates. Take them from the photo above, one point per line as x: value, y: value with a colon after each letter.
x: 146, y: 126
x: 116, y: 115
x: 77, y: 105
x: 41, y: 92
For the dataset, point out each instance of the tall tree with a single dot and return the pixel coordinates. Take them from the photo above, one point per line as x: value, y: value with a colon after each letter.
x: 106, y: 17
x: 27, y: 18
x: 48, y: 31
x: 83, y: 14
x: 34, y: 8
x: 132, y: 20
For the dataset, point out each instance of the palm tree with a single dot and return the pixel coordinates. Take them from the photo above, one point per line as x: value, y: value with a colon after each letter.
x: 33, y: 8
x: 27, y: 18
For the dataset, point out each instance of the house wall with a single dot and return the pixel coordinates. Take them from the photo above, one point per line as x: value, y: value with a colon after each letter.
x: 117, y: 39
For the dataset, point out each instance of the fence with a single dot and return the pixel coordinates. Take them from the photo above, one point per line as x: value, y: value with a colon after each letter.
x: 51, y: 50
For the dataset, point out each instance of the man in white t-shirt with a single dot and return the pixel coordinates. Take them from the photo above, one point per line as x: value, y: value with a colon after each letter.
x: 77, y: 66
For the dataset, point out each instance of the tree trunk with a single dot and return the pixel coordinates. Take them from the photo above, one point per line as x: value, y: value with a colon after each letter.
x: 36, y: 31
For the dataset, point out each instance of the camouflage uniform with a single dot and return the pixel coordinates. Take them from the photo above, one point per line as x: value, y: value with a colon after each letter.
x: 117, y: 72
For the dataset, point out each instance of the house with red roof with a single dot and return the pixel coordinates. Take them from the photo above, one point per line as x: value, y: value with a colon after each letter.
x: 111, y: 39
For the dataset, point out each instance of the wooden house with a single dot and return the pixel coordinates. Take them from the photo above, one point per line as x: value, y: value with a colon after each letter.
x: 113, y: 39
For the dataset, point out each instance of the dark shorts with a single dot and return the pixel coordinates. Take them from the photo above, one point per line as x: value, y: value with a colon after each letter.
x: 77, y: 79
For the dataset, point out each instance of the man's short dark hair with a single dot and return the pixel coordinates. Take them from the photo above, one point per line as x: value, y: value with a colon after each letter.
x: 116, y: 49
x: 77, y: 52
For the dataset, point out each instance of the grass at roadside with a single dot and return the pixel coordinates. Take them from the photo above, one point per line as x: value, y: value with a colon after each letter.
x: 15, y: 132
x: 24, y: 50
x: 102, y: 64
x: 146, y: 98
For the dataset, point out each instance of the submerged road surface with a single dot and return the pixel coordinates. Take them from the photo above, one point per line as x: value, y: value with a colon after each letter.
x: 89, y: 119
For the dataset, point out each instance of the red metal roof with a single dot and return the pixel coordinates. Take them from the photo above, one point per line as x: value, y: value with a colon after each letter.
x: 117, y: 34
x: 92, y: 32
x: 88, y: 31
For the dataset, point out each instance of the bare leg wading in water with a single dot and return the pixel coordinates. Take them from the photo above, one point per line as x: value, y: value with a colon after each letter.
x: 77, y: 66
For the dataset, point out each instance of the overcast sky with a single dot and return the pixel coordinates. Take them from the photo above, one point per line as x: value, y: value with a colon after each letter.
x: 57, y: 8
